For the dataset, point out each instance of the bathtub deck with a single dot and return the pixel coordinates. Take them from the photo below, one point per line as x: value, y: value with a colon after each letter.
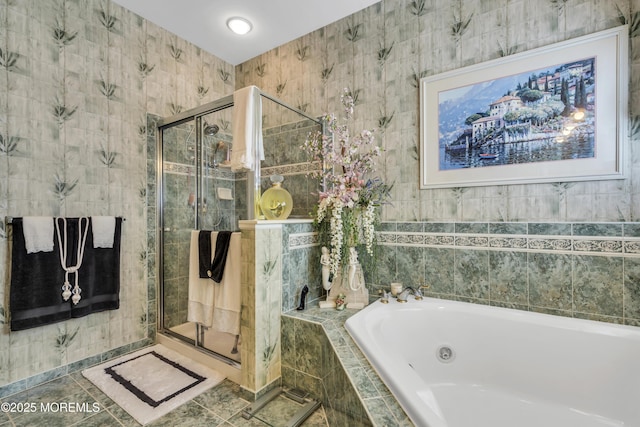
x: 382, y: 408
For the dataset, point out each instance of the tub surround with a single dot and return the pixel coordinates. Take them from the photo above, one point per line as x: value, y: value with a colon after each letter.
x: 319, y: 356
x: 583, y: 270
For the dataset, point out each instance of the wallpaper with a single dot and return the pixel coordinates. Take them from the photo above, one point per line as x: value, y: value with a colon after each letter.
x: 382, y: 52
x: 77, y: 79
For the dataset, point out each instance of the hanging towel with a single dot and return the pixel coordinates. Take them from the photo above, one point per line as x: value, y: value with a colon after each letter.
x: 38, y: 233
x: 201, y: 290
x: 220, y: 258
x: 247, y: 129
x: 35, y: 294
x: 227, y: 302
x: 103, y: 228
x: 204, y: 254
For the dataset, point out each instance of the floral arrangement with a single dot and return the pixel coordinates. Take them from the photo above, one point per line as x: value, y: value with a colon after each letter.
x: 346, y: 212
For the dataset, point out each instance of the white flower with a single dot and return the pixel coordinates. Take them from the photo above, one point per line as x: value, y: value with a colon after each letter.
x: 347, y: 161
x: 336, y: 235
x: 368, y: 222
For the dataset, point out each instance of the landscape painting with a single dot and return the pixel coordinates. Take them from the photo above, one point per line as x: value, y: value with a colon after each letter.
x: 544, y: 115
x: 552, y: 114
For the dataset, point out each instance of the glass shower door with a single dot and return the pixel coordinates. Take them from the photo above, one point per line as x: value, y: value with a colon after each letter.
x: 198, y: 192
x: 178, y: 218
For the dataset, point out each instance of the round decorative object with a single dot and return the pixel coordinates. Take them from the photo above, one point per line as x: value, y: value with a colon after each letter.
x: 276, y: 202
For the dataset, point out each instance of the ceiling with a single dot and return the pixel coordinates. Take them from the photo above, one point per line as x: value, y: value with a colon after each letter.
x: 275, y: 22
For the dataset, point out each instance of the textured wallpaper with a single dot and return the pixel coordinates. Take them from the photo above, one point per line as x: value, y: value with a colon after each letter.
x: 382, y: 52
x: 77, y: 79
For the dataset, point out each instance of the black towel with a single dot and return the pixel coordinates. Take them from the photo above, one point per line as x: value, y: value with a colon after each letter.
x: 204, y: 254
x: 35, y: 295
x: 220, y: 258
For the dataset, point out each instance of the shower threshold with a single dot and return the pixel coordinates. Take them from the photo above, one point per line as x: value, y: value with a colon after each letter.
x: 306, y: 406
x: 224, y: 344
x: 230, y: 368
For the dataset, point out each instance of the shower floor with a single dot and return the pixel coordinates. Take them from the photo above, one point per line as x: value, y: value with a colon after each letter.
x: 220, y: 342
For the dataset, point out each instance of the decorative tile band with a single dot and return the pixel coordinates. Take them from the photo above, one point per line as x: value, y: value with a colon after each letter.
x: 597, y: 245
x: 303, y: 240
x: 219, y: 172
x: 291, y: 169
x: 226, y: 173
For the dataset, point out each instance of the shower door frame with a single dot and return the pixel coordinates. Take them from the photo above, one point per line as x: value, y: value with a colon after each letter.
x: 253, y: 192
x: 194, y: 115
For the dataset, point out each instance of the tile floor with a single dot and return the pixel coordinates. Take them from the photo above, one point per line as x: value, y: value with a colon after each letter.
x: 220, y: 406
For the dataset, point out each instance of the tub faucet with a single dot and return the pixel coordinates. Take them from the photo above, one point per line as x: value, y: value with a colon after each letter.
x: 417, y: 294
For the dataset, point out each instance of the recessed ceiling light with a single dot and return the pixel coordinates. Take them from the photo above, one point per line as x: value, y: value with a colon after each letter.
x: 239, y: 25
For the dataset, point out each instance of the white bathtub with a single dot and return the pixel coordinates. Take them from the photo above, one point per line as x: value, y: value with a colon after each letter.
x: 509, y: 368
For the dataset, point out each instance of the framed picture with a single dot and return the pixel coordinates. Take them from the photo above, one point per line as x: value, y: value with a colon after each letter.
x: 556, y: 113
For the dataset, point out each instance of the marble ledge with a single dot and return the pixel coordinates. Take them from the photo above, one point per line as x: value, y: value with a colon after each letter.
x: 382, y: 407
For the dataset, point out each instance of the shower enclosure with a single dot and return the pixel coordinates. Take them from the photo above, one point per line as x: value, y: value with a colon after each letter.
x: 196, y: 189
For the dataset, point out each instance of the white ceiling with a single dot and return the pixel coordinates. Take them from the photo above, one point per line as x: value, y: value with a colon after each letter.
x: 275, y: 22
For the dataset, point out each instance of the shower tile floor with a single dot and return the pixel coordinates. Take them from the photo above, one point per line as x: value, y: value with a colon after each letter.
x: 219, y: 406
x: 220, y: 342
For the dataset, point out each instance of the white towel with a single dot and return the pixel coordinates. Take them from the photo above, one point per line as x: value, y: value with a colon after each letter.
x: 227, y: 302
x: 211, y: 304
x: 103, y: 228
x: 38, y: 233
x: 247, y: 129
x: 201, y: 291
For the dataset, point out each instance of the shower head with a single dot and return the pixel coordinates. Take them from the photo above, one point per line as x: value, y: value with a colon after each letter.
x: 210, y: 130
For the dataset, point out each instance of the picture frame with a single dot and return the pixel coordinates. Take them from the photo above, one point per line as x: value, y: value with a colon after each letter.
x: 499, y: 122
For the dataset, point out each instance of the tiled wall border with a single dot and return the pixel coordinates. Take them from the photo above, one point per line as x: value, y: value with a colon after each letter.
x: 303, y: 240
x: 70, y: 368
x: 221, y: 172
x: 290, y: 169
x: 625, y: 242
x: 617, y: 239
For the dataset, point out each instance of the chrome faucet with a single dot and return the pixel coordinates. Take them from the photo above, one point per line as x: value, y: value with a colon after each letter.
x: 417, y: 294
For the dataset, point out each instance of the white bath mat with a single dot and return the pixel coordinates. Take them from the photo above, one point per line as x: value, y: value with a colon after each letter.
x: 153, y: 381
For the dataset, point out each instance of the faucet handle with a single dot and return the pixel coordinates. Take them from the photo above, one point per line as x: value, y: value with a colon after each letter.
x: 385, y: 297
x: 418, y: 293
